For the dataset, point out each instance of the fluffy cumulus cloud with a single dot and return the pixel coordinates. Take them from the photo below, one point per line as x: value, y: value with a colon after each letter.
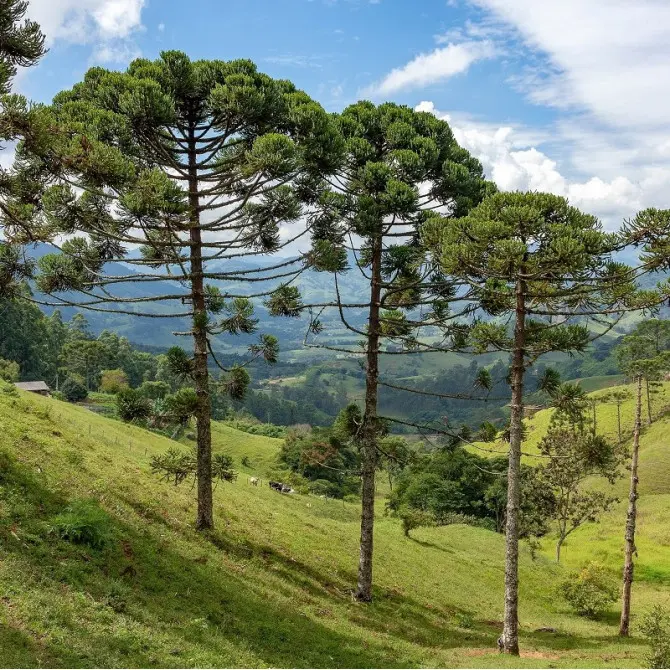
x: 107, y: 25
x: 510, y: 158
x: 603, y: 65
x: 432, y: 68
x: 610, y: 57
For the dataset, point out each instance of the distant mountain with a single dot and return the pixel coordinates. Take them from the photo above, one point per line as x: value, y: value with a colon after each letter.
x: 315, y: 287
x: 156, y: 331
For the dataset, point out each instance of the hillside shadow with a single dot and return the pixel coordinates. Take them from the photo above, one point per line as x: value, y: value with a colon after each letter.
x: 431, y: 545
x: 218, y: 613
x: 390, y: 613
x: 199, y: 605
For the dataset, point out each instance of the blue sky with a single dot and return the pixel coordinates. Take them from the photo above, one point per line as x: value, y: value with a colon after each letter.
x: 568, y: 96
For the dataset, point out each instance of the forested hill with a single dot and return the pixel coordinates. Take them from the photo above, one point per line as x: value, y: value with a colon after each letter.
x: 315, y: 288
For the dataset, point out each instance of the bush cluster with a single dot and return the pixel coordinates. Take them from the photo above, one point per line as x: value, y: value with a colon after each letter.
x: 591, y: 590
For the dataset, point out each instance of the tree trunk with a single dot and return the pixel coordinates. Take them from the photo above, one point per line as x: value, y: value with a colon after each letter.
x: 369, y: 432
x: 649, y: 419
x: 631, y: 518
x: 559, y: 546
x: 205, y: 516
x: 618, y: 420
x: 510, y: 636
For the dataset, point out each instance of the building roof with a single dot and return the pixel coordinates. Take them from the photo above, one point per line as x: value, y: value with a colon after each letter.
x: 33, y: 386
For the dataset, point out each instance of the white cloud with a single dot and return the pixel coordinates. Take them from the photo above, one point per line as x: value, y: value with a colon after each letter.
x: 610, y: 57
x: 115, y: 52
x: 83, y: 21
x: 108, y: 25
x: 431, y: 68
x: 510, y: 157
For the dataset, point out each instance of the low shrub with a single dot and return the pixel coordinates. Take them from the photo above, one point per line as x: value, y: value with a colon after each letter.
x: 74, y: 390
x: 7, y: 388
x: 412, y: 518
x: 456, y: 518
x: 264, y: 429
x: 656, y: 627
x: 590, y: 591
x: 131, y: 405
x: 84, y: 522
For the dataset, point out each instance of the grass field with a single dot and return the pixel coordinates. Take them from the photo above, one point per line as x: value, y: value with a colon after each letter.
x: 272, y: 585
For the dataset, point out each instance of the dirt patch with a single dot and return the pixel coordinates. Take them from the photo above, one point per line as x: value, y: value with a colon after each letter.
x: 524, y: 654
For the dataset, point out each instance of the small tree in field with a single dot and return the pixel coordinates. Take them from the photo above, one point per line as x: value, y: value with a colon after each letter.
x: 197, y: 164
x: 546, y: 268
x: 132, y: 406
x: 618, y: 397
x: 113, y: 381
x: 74, y: 389
x: 590, y: 591
x: 574, y: 456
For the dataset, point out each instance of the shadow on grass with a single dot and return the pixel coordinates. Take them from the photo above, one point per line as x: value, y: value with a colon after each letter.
x: 431, y: 545
x: 184, y: 610
x: 147, y: 601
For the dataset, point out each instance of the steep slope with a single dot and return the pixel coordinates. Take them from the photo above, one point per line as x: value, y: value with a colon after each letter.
x: 270, y: 587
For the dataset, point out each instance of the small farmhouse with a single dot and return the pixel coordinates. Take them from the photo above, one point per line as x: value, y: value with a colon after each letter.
x: 34, y: 387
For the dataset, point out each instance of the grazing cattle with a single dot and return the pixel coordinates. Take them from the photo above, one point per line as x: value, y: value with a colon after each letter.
x: 281, y: 488
x: 253, y: 481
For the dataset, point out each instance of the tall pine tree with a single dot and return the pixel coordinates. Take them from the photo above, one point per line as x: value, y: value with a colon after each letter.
x: 21, y: 45
x: 544, y: 269
x: 197, y: 163
x: 401, y: 169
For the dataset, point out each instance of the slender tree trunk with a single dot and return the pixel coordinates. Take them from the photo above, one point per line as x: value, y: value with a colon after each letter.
x: 510, y: 636
x: 649, y: 417
x: 559, y: 545
x: 369, y: 432
x: 618, y: 420
x: 205, y: 516
x: 631, y: 518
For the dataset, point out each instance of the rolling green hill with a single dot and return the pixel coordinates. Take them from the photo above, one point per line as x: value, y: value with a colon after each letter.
x: 271, y: 586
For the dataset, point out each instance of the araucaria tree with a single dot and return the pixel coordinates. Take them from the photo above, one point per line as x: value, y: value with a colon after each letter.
x: 401, y: 169
x: 21, y: 45
x: 21, y: 41
x: 543, y: 268
x: 196, y: 164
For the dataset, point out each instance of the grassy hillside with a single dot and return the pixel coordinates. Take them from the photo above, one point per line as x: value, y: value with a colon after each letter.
x: 603, y: 542
x: 272, y: 585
